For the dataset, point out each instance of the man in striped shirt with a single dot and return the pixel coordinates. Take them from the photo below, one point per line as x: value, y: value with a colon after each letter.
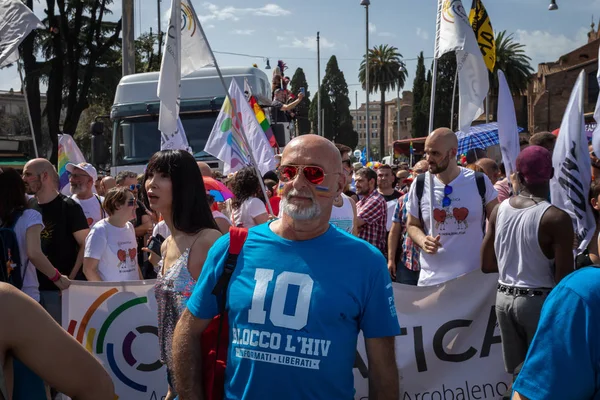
x: 372, y: 209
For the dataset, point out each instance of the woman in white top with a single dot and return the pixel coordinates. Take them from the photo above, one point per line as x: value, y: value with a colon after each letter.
x: 246, y: 209
x: 111, y: 247
x: 27, y: 225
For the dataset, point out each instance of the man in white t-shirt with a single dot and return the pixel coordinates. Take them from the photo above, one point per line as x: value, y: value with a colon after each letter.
x: 82, y: 177
x: 452, y: 248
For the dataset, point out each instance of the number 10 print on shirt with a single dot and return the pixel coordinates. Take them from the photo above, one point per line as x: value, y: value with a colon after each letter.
x: 291, y: 348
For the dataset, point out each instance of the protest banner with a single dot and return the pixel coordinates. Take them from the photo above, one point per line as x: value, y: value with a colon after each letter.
x: 450, y: 346
x: 116, y: 322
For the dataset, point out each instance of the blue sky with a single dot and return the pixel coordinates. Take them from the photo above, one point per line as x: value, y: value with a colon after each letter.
x: 285, y: 29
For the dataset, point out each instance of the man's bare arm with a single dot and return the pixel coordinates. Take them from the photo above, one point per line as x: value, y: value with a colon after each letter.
x: 415, y: 230
x: 186, y: 356
x: 518, y: 396
x: 559, y: 225
x: 489, y: 262
x: 383, y: 371
x: 80, y: 239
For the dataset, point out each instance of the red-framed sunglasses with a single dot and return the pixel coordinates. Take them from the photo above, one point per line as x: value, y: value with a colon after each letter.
x: 314, y: 174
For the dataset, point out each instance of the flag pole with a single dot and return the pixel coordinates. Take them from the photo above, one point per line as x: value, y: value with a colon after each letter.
x: 453, y: 98
x: 431, y: 113
x: 35, y: 149
x: 243, y: 131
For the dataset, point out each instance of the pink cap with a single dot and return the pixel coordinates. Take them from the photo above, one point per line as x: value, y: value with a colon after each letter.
x: 534, y: 163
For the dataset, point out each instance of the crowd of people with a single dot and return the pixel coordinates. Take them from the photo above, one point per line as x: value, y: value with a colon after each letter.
x: 293, y: 322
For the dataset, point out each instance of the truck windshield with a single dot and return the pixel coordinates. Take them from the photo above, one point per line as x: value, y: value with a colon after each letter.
x: 137, y: 139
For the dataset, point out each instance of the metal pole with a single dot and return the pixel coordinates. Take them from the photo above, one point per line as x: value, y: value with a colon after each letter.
x: 453, y: 97
x: 319, y: 121
x: 356, y: 108
x: 128, y: 52
x: 35, y: 149
x: 398, y: 111
x: 367, y: 82
x: 487, y: 109
x: 323, y: 122
x: 431, y: 112
x: 159, y: 29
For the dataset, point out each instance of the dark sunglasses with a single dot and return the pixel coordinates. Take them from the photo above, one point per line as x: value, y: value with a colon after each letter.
x: 312, y: 173
x: 133, y: 187
x: 446, y: 200
x: 131, y: 202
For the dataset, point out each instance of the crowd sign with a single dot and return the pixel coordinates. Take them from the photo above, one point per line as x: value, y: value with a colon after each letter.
x: 449, y: 347
x: 117, y: 323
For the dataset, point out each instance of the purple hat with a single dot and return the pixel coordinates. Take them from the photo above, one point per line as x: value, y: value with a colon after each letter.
x: 534, y: 163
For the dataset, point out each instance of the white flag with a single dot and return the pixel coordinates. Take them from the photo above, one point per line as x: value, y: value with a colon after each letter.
x: 16, y: 21
x: 169, y: 80
x: 177, y: 141
x: 572, y: 168
x: 226, y: 141
x: 508, y: 131
x: 454, y: 33
x: 195, y: 50
x: 596, y: 134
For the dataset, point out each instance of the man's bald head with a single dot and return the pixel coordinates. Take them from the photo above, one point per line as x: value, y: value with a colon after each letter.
x: 109, y: 182
x: 41, y: 166
x: 441, y: 147
x: 316, y: 150
x: 490, y: 168
x: 420, y: 167
x: 445, y: 136
x: 205, y: 169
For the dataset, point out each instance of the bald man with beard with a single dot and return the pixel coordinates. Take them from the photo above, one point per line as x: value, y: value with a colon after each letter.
x: 205, y: 169
x: 459, y: 212
x: 341, y: 286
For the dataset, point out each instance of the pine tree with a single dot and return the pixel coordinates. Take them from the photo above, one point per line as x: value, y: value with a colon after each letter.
x: 446, y: 72
x: 419, y: 114
x: 302, y: 110
x: 326, y: 110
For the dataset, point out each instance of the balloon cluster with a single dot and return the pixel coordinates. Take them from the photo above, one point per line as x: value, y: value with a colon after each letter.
x: 373, y: 165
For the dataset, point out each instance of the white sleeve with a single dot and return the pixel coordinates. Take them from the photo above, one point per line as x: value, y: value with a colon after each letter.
x: 32, y: 217
x: 95, y: 243
x: 412, y: 204
x: 490, y: 191
x: 256, y: 207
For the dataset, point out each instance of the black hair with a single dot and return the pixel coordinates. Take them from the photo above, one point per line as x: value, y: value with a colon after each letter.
x: 272, y: 175
x: 191, y: 212
x: 245, y: 185
x: 13, y: 198
x: 368, y: 174
x: 593, y: 194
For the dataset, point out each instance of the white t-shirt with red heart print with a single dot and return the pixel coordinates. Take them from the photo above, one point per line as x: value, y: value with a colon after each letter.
x: 116, y: 250
x: 459, y: 226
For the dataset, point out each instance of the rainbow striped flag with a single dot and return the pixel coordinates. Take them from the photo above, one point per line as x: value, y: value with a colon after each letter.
x: 68, y: 152
x: 411, y: 148
x: 263, y: 121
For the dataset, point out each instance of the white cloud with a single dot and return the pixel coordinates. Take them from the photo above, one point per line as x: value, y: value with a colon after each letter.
x: 230, y: 13
x: 307, y: 42
x: 422, y: 33
x: 243, y: 32
x: 372, y: 28
x: 386, y: 34
x: 544, y: 46
x: 280, y: 38
x: 209, y: 26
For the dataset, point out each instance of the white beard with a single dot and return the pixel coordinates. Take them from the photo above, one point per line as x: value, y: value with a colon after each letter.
x: 297, y: 212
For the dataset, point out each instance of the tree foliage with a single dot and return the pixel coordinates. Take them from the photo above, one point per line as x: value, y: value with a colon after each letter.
x: 302, y: 110
x: 420, y: 111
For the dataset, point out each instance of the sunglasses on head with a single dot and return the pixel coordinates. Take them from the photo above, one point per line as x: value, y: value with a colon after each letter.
x: 133, y: 187
x: 312, y: 173
x: 131, y: 202
x: 446, y: 201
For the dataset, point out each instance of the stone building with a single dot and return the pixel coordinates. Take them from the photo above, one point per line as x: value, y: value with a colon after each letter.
x: 550, y: 88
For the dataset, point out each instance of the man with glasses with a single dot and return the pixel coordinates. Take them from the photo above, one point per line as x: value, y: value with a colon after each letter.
x: 64, y: 233
x: 462, y: 199
x: 293, y: 323
x: 82, y: 177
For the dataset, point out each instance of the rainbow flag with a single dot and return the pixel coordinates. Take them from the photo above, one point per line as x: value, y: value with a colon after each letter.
x: 68, y: 152
x: 263, y: 121
x: 411, y: 148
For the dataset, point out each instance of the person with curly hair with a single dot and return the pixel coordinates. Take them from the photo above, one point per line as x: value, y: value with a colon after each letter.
x: 247, y: 210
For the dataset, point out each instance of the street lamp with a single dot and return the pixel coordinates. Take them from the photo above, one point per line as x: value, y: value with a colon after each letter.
x: 552, y: 5
x: 367, y: 3
x: 401, y: 69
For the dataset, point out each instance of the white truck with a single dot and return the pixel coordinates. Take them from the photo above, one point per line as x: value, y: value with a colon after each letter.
x: 134, y: 115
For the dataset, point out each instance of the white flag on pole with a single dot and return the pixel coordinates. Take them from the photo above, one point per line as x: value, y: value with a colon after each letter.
x: 572, y: 168
x: 169, y: 80
x: 454, y: 33
x: 508, y: 131
x: 177, y: 141
x: 195, y: 53
x: 596, y: 134
x: 16, y: 21
x: 226, y: 139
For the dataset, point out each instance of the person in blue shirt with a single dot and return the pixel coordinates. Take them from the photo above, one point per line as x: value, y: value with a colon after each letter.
x: 563, y: 361
x: 301, y: 292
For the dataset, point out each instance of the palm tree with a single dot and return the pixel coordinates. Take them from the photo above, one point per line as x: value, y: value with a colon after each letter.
x: 384, y: 74
x: 512, y: 60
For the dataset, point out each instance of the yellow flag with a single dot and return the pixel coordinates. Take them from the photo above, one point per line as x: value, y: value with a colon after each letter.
x: 482, y: 26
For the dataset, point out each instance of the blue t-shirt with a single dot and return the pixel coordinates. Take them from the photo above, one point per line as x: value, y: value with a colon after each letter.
x: 564, y: 358
x: 295, y: 311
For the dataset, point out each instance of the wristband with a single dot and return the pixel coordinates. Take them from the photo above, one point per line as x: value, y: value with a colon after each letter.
x: 56, y: 276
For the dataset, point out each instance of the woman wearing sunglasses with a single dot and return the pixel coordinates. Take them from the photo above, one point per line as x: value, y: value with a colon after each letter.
x: 174, y: 187
x: 111, y: 248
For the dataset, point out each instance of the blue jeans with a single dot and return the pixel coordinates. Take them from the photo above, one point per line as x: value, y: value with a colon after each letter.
x: 52, y: 302
x: 407, y: 276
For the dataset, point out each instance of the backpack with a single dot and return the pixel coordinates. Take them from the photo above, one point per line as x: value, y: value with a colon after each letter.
x: 215, y: 338
x: 479, y: 180
x: 11, y: 270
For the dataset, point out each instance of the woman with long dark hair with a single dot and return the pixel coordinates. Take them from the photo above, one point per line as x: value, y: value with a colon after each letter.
x: 247, y: 210
x: 174, y: 187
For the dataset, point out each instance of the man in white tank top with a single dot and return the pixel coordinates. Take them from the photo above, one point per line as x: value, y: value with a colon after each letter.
x: 343, y: 212
x: 529, y: 243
